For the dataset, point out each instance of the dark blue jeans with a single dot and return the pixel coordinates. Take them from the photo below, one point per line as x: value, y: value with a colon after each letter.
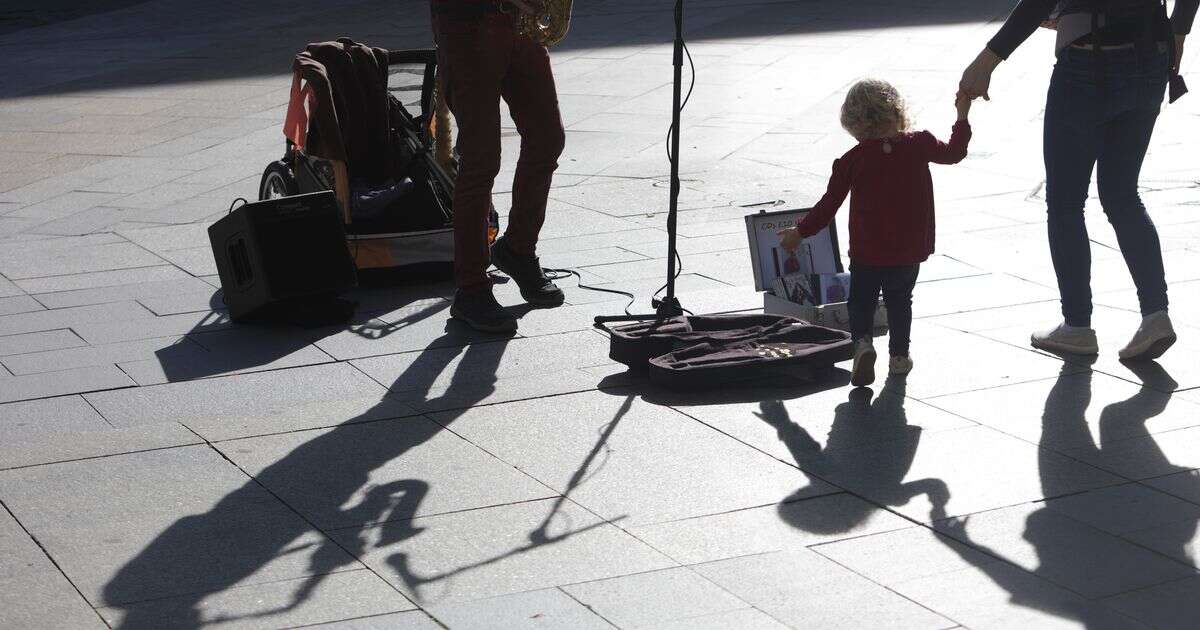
x: 1106, y: 124
x: 896, y: 283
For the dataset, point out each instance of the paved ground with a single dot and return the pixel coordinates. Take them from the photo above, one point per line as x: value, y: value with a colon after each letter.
x: 160, y: 467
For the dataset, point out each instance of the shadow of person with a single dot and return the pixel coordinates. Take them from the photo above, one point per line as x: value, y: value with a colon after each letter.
x: 1064, y: 421
x: 859, y: 421
x: 249, y: 528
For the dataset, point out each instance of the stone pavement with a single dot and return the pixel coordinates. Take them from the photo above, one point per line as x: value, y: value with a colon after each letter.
x: 161, y: 467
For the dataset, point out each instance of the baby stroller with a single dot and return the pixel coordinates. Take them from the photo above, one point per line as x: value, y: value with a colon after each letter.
x: 364, y: 122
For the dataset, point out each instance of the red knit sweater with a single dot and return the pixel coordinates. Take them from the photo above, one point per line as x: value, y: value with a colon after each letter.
x: 891, y: 195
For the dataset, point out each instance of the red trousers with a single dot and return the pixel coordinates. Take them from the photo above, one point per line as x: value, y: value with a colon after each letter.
x: 481, y: 59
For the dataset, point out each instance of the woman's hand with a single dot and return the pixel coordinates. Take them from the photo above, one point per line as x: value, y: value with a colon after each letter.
x: 977, y: 78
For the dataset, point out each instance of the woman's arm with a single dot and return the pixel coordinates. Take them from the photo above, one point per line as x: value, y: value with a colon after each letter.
x: 1183, y: 16
x: 1024, y: 20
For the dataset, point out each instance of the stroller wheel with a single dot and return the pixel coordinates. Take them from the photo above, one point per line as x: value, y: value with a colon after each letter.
x: 278, y: 181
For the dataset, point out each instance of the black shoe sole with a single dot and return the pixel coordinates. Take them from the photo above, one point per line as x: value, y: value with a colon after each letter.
x: 496, y: 328
x: 1155, y: 351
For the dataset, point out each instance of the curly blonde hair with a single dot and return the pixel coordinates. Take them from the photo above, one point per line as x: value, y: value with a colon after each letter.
x: 874, y: 109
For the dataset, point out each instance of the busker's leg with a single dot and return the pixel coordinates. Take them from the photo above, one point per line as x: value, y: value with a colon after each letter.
x: 898, y: 285
x: 1072, y: 139
x: 532, y: 99
x: 473, y: 55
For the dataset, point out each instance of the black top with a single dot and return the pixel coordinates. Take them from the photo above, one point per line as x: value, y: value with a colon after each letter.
x: 1029, y: 14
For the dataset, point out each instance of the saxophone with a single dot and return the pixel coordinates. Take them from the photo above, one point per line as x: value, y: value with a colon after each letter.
x: 544, y: 21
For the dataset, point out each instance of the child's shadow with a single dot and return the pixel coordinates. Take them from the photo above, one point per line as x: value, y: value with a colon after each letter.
x: 881, y: 423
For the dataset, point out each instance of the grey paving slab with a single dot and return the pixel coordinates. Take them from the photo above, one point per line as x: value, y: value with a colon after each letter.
x: 1145, y: 457
x: 69, y: 317
x: 116, y: 279
x: 450, y: 377
x: 1173, y: 371
x: 47, y: 418
x: 1080, y: 410
x: 88, y: 356
x: 179, y: 283
x: 197, y: 261
x: 746, y: 619
x: 381, y: 471
x: 255, y: 404
x: 176, y: 522
x: 975, y: 590
x: 19, y: 304
x: 168, y: 237
x: 501, y: 550
x: 87, y: 444
x: 44, y: 599
x: 650, y: 599
x: 1065, y: 551
x: 1170, y: 605
x: 975, y: 293
x: 414, y: 620
x: 956, y: 472
x: 1126, y: 509
x: 114, y: 331
x: 781, y: 527
x: 803, y: 588
x: 187, y: 360
x: 81, y: 260
x: 1185, y: 485
x: 70, y: 381
x: 613, y: 441
x: 291, y: 603
x: 904, y: 555
x: 811, y: 419
x: 549, y: 608
x: 203, y: 301
x: 939, y: 373
x: 417, y: 325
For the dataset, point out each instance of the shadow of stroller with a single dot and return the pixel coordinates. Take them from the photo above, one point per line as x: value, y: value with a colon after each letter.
x: 1064, y: 418
x: 857, y: 422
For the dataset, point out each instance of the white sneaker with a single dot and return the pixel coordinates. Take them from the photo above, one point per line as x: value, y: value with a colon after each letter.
x: 863, y: 371
x: 1064, y: 338
x: 1153, y: 337
x: 899, y: 366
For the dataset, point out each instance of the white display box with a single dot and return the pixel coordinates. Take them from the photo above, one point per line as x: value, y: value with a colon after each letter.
x: 836, y: 316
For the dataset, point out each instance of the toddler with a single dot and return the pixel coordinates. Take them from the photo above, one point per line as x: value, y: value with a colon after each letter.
x: 891, y: 214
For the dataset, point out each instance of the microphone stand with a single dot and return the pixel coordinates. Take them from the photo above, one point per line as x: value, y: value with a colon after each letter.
x: 669, y: 305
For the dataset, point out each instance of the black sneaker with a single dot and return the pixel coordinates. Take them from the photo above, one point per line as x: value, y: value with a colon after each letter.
x: 481, y: 311
x: 527, y: 272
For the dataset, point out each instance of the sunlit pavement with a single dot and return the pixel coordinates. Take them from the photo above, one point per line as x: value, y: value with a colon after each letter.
x: 161, y: 467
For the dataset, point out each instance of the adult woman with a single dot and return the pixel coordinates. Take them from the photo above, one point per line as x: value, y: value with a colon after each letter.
x: 1114, y: 62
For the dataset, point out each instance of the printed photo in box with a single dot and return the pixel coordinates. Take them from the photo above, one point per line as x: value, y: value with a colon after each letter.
x: 816, y: 256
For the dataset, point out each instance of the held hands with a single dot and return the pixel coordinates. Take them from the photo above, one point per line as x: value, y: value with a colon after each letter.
x: 977, y: 78
x: 963, y: 105
x: 789, y: 239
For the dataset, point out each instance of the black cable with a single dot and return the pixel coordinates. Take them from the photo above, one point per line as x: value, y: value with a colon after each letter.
x: 234, y: 204
x: 560, y: 274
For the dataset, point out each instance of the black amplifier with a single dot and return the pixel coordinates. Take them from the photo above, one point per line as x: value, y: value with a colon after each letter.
x: 279, y: 250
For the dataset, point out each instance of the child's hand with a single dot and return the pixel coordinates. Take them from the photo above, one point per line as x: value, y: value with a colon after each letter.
x: 789, y: 239
x: 963, y: 104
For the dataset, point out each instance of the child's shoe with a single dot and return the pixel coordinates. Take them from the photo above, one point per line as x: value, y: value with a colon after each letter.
x: 1151, y: 340
x: 900, y: 365
x: 863, y: 371
x: 1068, y: 339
